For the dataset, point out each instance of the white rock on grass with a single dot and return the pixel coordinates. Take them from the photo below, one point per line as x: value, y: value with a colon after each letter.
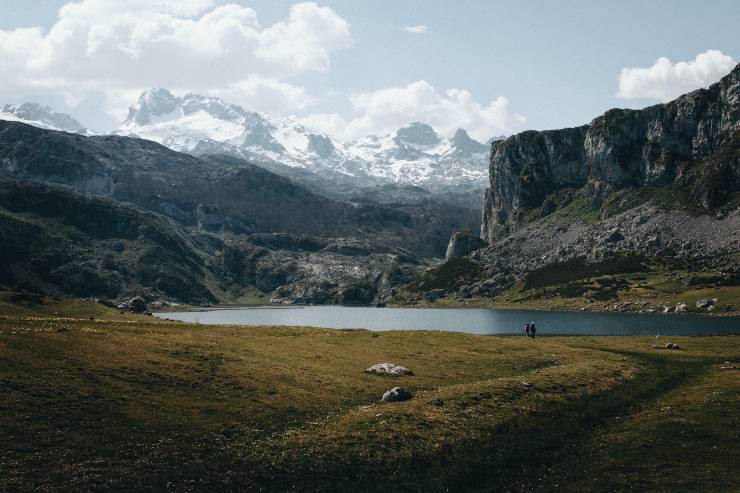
x: 389, y: 369
x: 396, y: 394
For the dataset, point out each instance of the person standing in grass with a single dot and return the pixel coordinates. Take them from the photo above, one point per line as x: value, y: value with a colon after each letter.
x: 526, y: 329
x: 532, y: 330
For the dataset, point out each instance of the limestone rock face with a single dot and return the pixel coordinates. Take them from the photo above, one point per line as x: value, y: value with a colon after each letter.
x: 463, y: 242
x: 691, y: 143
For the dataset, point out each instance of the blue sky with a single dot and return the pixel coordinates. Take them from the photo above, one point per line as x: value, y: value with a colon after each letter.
x: 556, y: 63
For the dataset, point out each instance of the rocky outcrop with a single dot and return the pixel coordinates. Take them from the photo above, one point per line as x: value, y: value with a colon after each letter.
x: 691, y: 143
x: 312, y: 270
x: 389, y: 369
x: 137, y: 304
x: 463, y: 242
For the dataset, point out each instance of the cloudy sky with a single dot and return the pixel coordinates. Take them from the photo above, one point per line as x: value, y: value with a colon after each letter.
x: 351, y: 67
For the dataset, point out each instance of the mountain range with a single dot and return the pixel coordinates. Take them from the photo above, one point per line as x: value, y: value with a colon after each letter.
x: 414, y: 155
x: 412, y: 161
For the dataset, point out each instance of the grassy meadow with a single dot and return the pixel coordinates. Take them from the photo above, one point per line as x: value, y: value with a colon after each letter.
x: 124, y: 402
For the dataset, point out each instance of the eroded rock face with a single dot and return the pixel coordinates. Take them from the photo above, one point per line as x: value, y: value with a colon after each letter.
x: 463, y: 242
x: 692, y: 143
x: 299, y: 269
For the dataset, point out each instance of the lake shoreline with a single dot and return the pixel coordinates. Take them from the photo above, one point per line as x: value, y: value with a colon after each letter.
x: 486, y: 321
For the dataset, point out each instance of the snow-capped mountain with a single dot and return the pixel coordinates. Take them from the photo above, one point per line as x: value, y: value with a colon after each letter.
x: 42, y: 116
x: 415, y: 154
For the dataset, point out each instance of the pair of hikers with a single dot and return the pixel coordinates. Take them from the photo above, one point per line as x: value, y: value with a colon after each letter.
x: 530, y: 330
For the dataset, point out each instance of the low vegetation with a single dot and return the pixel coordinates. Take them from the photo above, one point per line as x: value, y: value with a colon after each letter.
x: 627, y: 283
x: 130, y: 402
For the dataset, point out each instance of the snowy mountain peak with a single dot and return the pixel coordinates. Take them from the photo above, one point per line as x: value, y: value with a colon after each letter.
x: 464, y: 146
x: 417, y: 133
x: 42, y: 116
x: 216, y: 107
x: 152, y: 104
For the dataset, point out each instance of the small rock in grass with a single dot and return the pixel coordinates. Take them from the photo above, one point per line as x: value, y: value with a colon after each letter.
x: 396, y: 394
x: 389, y: 369
x: 706, y: 303
x: 672, y: 345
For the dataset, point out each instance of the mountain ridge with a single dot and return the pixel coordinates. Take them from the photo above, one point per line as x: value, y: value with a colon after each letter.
x: 218, y: 194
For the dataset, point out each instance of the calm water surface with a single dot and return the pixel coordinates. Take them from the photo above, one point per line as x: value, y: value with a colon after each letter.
x: 471, y: 320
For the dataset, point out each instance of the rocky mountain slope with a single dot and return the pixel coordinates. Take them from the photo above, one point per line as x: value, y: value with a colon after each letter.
x: 653, y: 191
x: 414, y: 155
x: 59, y: 241
x: 218, y: 194
x: 689, y: 144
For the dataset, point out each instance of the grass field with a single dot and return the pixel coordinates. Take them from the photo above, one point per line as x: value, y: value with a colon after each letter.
x: 126, y: 402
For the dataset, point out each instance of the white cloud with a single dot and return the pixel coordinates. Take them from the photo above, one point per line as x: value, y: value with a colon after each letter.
x: 101, y: 54
x: 665, y: 80
x: 327, y: 123
x: 266, y: 94
x: 112, y: 47
x: 420, y: 29
x: 385, y: 110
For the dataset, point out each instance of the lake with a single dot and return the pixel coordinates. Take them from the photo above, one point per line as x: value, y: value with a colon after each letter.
x: 470, y: 320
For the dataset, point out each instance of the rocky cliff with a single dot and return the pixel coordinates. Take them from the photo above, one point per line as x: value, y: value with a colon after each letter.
x: 691, y: 145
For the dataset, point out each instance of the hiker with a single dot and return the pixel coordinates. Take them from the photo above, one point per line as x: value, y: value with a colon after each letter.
x: 532, y: 330
x: 526, y: 329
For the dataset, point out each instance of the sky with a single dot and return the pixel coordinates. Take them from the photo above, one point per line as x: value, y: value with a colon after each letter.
x: 352, y: 68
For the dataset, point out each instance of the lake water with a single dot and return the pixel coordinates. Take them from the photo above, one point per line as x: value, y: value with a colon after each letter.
x: 471, y: 320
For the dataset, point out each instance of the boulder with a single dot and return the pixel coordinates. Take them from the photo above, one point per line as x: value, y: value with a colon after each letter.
x: 672, y: 345
x: 681, y: 308
x: 137, y: 304
x: 396, y: 394
x: 463, y: 242
x: 706, y: 303
x: 389, y: 369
